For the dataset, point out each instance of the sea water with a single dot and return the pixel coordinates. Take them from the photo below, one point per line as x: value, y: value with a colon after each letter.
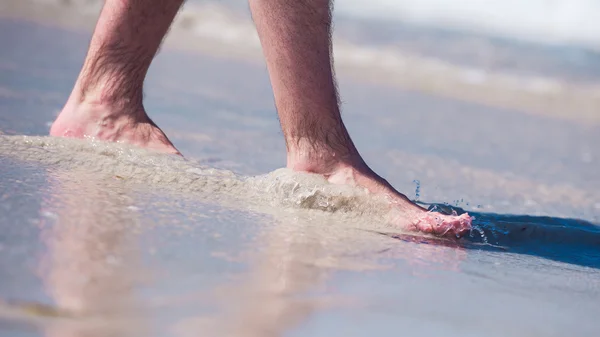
x: 104, y: 239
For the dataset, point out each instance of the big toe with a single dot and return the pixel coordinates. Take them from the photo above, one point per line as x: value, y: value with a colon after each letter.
x: 444, y: 225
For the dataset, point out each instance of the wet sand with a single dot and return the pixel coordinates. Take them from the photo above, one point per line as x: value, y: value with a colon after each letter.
x: 101, y: 240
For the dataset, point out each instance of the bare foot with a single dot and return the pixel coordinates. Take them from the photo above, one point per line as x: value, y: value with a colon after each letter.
x: 109, y: 124
x: 405, y: 213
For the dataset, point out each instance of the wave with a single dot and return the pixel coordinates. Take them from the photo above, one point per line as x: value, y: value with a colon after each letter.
x: 571, y: 22
x: 282, y: 187
x: 567, y: 240
x: 566, y: 22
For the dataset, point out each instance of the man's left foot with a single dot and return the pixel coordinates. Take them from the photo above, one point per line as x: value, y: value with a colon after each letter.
x: 111, y: 124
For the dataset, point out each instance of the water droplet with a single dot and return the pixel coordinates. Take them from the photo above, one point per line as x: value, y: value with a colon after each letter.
x: 417, y: 189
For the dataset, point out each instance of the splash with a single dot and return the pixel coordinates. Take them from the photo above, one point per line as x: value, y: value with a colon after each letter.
x: 281, y: 187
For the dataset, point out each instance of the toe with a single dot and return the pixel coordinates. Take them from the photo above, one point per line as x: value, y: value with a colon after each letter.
x: 444, y: 225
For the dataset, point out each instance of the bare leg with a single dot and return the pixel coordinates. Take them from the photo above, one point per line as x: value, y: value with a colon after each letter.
x: 296, y: 40
x: 106, y: 102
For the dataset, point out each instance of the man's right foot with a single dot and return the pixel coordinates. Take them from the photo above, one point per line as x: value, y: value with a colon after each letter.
x: 350, y: 169
x: 101, y: 122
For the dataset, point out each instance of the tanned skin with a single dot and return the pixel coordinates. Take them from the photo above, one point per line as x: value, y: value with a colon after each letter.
x: 106, y: 102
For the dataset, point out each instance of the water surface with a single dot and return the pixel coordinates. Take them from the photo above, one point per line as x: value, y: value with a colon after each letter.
x: 104, y: 240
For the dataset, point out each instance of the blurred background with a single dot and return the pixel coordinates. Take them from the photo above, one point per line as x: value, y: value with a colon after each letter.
x: 541, y: 56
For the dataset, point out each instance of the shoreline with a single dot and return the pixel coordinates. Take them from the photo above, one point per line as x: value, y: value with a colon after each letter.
x: 548, y: 97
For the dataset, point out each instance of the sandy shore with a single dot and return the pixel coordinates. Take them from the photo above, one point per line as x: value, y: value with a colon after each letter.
x: 196, y: 31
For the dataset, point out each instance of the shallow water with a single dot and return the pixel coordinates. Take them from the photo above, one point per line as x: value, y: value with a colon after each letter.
x: 100, y: 239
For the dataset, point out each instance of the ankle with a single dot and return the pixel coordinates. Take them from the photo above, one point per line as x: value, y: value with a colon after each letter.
x: 315, y: 157
x: 115, y: 87
x: 100, y: 104
x: 90, y: 116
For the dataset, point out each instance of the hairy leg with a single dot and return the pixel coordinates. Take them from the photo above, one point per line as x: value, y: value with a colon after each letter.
x: 296, y: 41
x: 106, y: 101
